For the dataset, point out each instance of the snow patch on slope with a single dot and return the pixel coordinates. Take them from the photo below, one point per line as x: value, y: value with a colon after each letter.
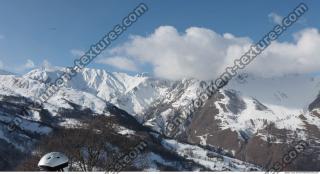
x: 215, y: 161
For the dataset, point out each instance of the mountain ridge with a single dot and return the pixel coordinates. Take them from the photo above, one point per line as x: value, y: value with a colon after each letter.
x: 238, y: 114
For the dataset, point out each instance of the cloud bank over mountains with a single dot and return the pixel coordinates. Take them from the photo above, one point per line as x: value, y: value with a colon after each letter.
x: 203, y: 53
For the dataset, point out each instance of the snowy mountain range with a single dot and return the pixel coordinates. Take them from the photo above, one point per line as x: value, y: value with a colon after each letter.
x: 254, y: 120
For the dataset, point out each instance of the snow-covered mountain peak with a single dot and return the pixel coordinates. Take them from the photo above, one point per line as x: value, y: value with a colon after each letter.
x: 118, y: 88
x: 89, y: 78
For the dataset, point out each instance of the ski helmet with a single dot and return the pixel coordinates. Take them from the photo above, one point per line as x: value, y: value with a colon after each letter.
x: 54, y: 161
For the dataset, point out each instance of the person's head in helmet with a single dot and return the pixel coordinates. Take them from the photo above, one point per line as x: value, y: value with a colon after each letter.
x: 53, y: 161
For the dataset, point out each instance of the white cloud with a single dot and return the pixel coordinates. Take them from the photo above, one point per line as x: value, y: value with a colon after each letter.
x: 120, y: 63
x: 275, y: 18
x: 28, y: 65
x: 46, y: 64
x: 199, y: 52
x: 77, y: 52
x: 203, y: 53
x: 300, y: 56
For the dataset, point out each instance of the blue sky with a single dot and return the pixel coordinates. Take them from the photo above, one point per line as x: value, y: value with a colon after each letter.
x: 38, y: 30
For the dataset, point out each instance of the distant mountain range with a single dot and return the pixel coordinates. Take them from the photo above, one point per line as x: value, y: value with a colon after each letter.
x: 249, y: 125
